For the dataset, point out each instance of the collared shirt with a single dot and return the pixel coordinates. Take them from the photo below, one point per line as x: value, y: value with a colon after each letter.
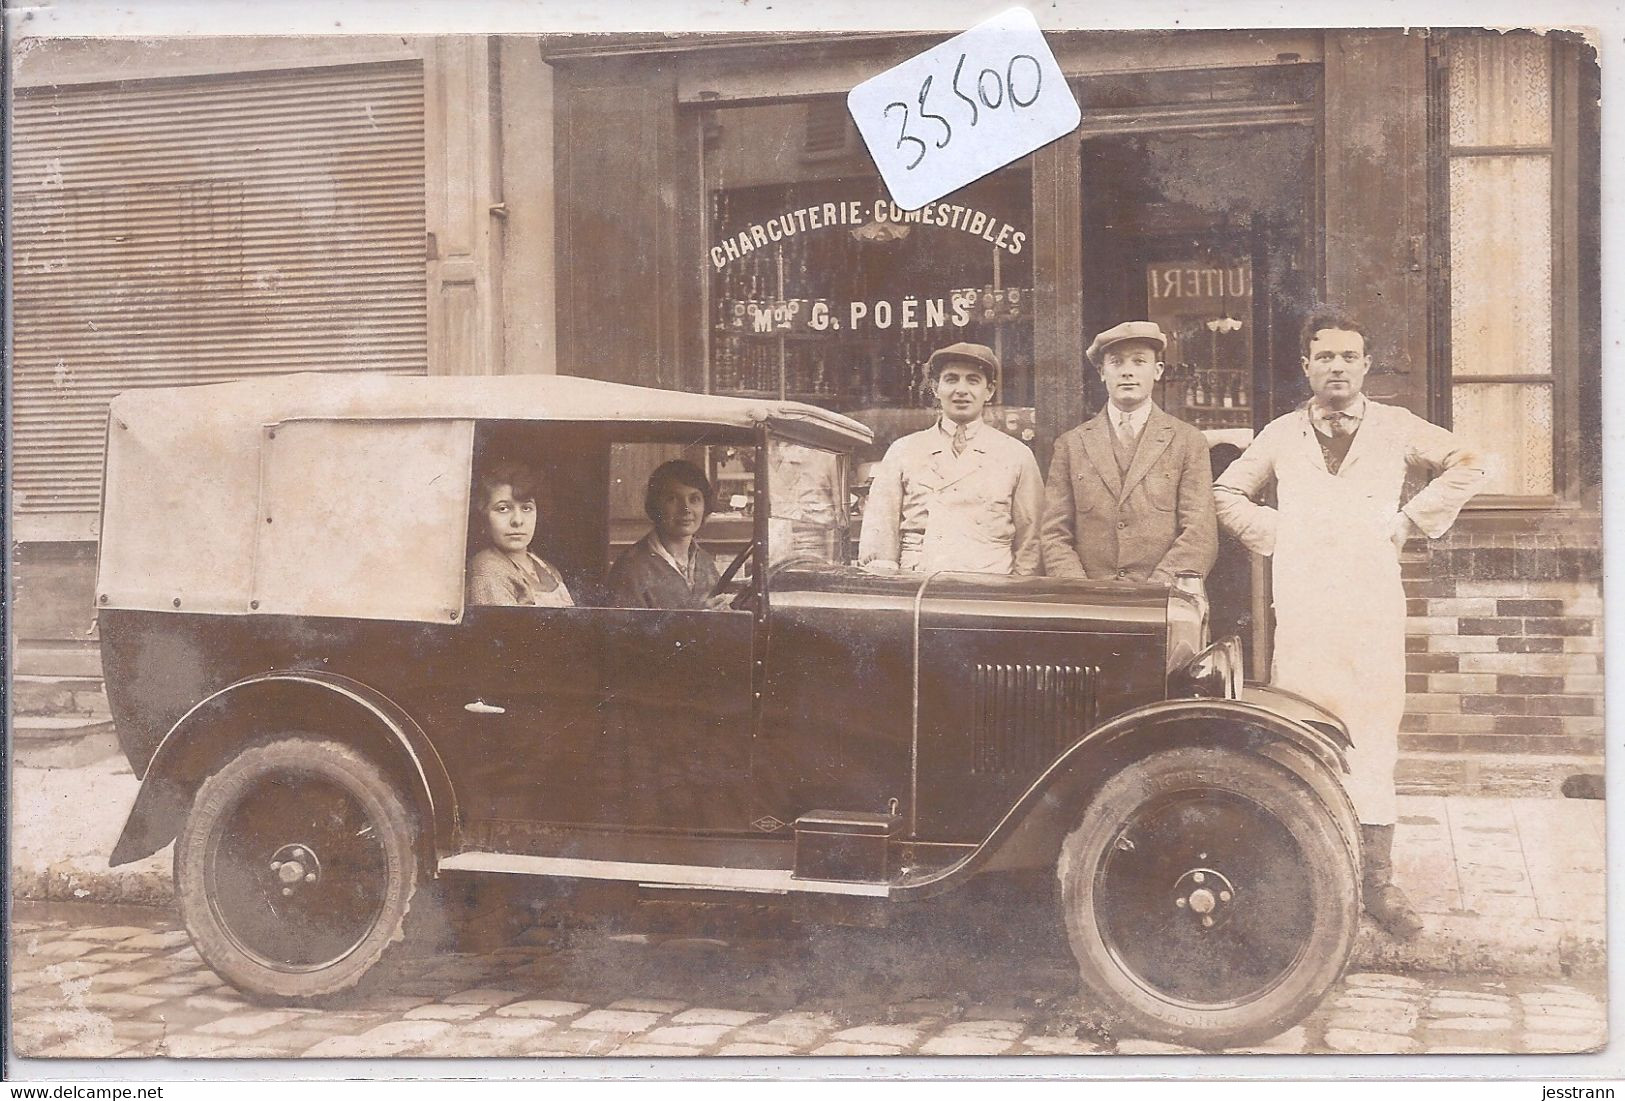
x: 947, y: 428
x: 1135, y: 418
x: 647, y: 576
x: 1318, y: 415
x: 684, y: 570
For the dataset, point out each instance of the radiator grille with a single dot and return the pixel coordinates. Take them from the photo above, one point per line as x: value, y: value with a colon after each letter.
x: 1024, y: 715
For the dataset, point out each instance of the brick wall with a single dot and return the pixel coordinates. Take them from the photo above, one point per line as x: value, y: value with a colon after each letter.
x: 1504, y: 660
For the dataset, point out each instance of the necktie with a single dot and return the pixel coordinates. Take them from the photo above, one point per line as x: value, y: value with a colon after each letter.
x: 1125, y: 427
x: 1340, y: 424
x: 960, y: 440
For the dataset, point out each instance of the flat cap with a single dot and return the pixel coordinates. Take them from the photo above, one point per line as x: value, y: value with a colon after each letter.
x: 1128, y: 330
x: 979, y: 354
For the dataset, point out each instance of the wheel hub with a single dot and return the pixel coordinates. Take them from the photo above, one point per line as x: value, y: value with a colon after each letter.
x: 1206, y: 894
x: 294, y: 866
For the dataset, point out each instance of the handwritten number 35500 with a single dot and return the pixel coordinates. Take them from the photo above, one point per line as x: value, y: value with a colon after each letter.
x: 1002, y: 90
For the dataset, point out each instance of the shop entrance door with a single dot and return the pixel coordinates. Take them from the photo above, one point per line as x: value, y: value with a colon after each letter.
x: 1207, y: 230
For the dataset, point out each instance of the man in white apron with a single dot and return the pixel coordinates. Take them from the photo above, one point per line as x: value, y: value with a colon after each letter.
x: 1339, y: 464
x: 960, y: 495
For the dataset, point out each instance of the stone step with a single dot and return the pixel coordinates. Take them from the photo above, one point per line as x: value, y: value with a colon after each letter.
x: 62, y: 741
x: 45, y: 695
x: 59, y: 728
x: 58, y: 659
x: 1489, y: 774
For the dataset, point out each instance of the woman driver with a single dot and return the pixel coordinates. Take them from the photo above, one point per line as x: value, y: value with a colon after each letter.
x: 667, y: 568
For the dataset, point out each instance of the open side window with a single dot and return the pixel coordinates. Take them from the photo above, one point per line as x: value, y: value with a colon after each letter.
x: 592, y: 479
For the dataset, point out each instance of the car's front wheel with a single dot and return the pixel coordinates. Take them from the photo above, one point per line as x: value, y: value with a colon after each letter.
x: 1210, y: 898
x: 296, y: 868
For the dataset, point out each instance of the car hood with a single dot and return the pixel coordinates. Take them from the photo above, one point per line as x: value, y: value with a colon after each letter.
x: 973, y: 599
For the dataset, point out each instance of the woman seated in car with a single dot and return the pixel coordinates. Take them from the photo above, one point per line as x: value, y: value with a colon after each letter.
x: 667, y: 568
x: 503, y: 570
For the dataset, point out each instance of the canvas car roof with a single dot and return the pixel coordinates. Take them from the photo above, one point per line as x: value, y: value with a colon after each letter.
x: 262, y: 401
x: 244, y: 496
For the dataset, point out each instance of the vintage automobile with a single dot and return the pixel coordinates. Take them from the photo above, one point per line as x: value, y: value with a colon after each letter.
x: 324, y: 727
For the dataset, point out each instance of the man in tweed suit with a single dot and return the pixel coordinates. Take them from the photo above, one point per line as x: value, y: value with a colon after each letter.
x: 1130, y: 493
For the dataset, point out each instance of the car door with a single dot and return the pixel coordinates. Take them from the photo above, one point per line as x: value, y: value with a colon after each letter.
x: 677, y: 717
x: 629, y: 717
x: 526, y: 697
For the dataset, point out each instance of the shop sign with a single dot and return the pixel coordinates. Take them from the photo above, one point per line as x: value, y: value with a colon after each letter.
x: 1195, y: 287
x: 880, y: 219
x: 956, y: 309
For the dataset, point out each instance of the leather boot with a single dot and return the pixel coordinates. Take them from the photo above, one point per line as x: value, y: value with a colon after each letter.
x: 1384, y: 901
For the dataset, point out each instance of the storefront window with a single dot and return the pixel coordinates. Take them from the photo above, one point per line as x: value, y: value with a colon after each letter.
x: 1207, y: 313
x: 1181, y: 229
x: 823, y: 290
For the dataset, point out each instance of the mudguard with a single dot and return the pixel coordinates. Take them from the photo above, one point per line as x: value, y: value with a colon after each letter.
x: 1288, y: 729
x: 172, y: 775
x: 1290, y: 705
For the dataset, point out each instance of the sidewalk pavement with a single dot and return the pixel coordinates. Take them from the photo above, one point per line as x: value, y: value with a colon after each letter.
x: 1509, y: 886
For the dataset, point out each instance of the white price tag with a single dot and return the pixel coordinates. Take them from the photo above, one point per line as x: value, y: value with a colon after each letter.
x: 962, y: 109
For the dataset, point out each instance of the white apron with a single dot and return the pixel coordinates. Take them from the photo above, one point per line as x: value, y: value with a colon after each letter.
x: 1339, y: 604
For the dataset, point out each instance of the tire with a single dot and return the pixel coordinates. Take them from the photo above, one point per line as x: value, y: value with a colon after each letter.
x: 1208, y: 833
x: 296, y: 869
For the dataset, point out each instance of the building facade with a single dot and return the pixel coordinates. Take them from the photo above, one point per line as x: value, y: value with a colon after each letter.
x: 700, y: 213
x: 199, y: 210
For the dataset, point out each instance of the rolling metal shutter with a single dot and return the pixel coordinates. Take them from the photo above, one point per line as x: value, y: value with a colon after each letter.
x: 170, y: 232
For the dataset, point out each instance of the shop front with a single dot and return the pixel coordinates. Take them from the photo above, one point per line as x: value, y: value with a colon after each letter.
x: 734, y: 237
x: 699, y: 213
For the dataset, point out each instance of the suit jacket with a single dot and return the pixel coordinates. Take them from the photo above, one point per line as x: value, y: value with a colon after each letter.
x: 929, y: 511
x: 1146, y: 526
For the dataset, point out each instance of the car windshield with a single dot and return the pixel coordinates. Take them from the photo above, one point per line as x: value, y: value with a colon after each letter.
x: 809, y: 516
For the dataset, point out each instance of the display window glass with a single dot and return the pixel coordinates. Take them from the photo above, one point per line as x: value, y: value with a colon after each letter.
x: 821, y: 289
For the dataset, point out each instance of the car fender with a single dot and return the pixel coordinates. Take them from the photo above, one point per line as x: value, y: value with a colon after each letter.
x: 1287, y: 729
x: 190, y: 749
x: 1290, y: 705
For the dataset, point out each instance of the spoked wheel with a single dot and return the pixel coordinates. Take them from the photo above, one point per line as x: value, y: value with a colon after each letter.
x: 1210, y: 897
x: 296, y: 869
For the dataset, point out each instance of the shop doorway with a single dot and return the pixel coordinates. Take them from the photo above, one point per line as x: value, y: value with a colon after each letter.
x: 1205, y: 225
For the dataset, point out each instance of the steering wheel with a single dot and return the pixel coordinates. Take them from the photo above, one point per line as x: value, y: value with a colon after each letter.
x: 745, y: 596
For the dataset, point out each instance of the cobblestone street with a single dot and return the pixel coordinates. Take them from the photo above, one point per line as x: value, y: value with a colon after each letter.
x: 95, y: 982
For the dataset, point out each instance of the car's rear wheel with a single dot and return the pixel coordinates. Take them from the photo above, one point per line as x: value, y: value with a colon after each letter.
x: 296, y: 869
x: 1210, y: 897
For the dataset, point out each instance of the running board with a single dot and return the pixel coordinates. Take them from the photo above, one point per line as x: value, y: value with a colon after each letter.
x: 777, y: 881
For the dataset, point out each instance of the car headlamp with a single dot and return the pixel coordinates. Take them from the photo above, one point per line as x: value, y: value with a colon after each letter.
x: 1187, y: 620
x: 1216, y: 672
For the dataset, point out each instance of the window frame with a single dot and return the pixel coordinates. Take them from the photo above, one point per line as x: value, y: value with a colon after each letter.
x: 1561, y: 153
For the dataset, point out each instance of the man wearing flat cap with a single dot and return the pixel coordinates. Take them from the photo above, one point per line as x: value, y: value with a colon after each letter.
x: 1130, y: 493
x: 960, y: 495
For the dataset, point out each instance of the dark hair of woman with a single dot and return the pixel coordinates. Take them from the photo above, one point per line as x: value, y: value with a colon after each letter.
x: 683, y: 473
x: 516, y: 476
